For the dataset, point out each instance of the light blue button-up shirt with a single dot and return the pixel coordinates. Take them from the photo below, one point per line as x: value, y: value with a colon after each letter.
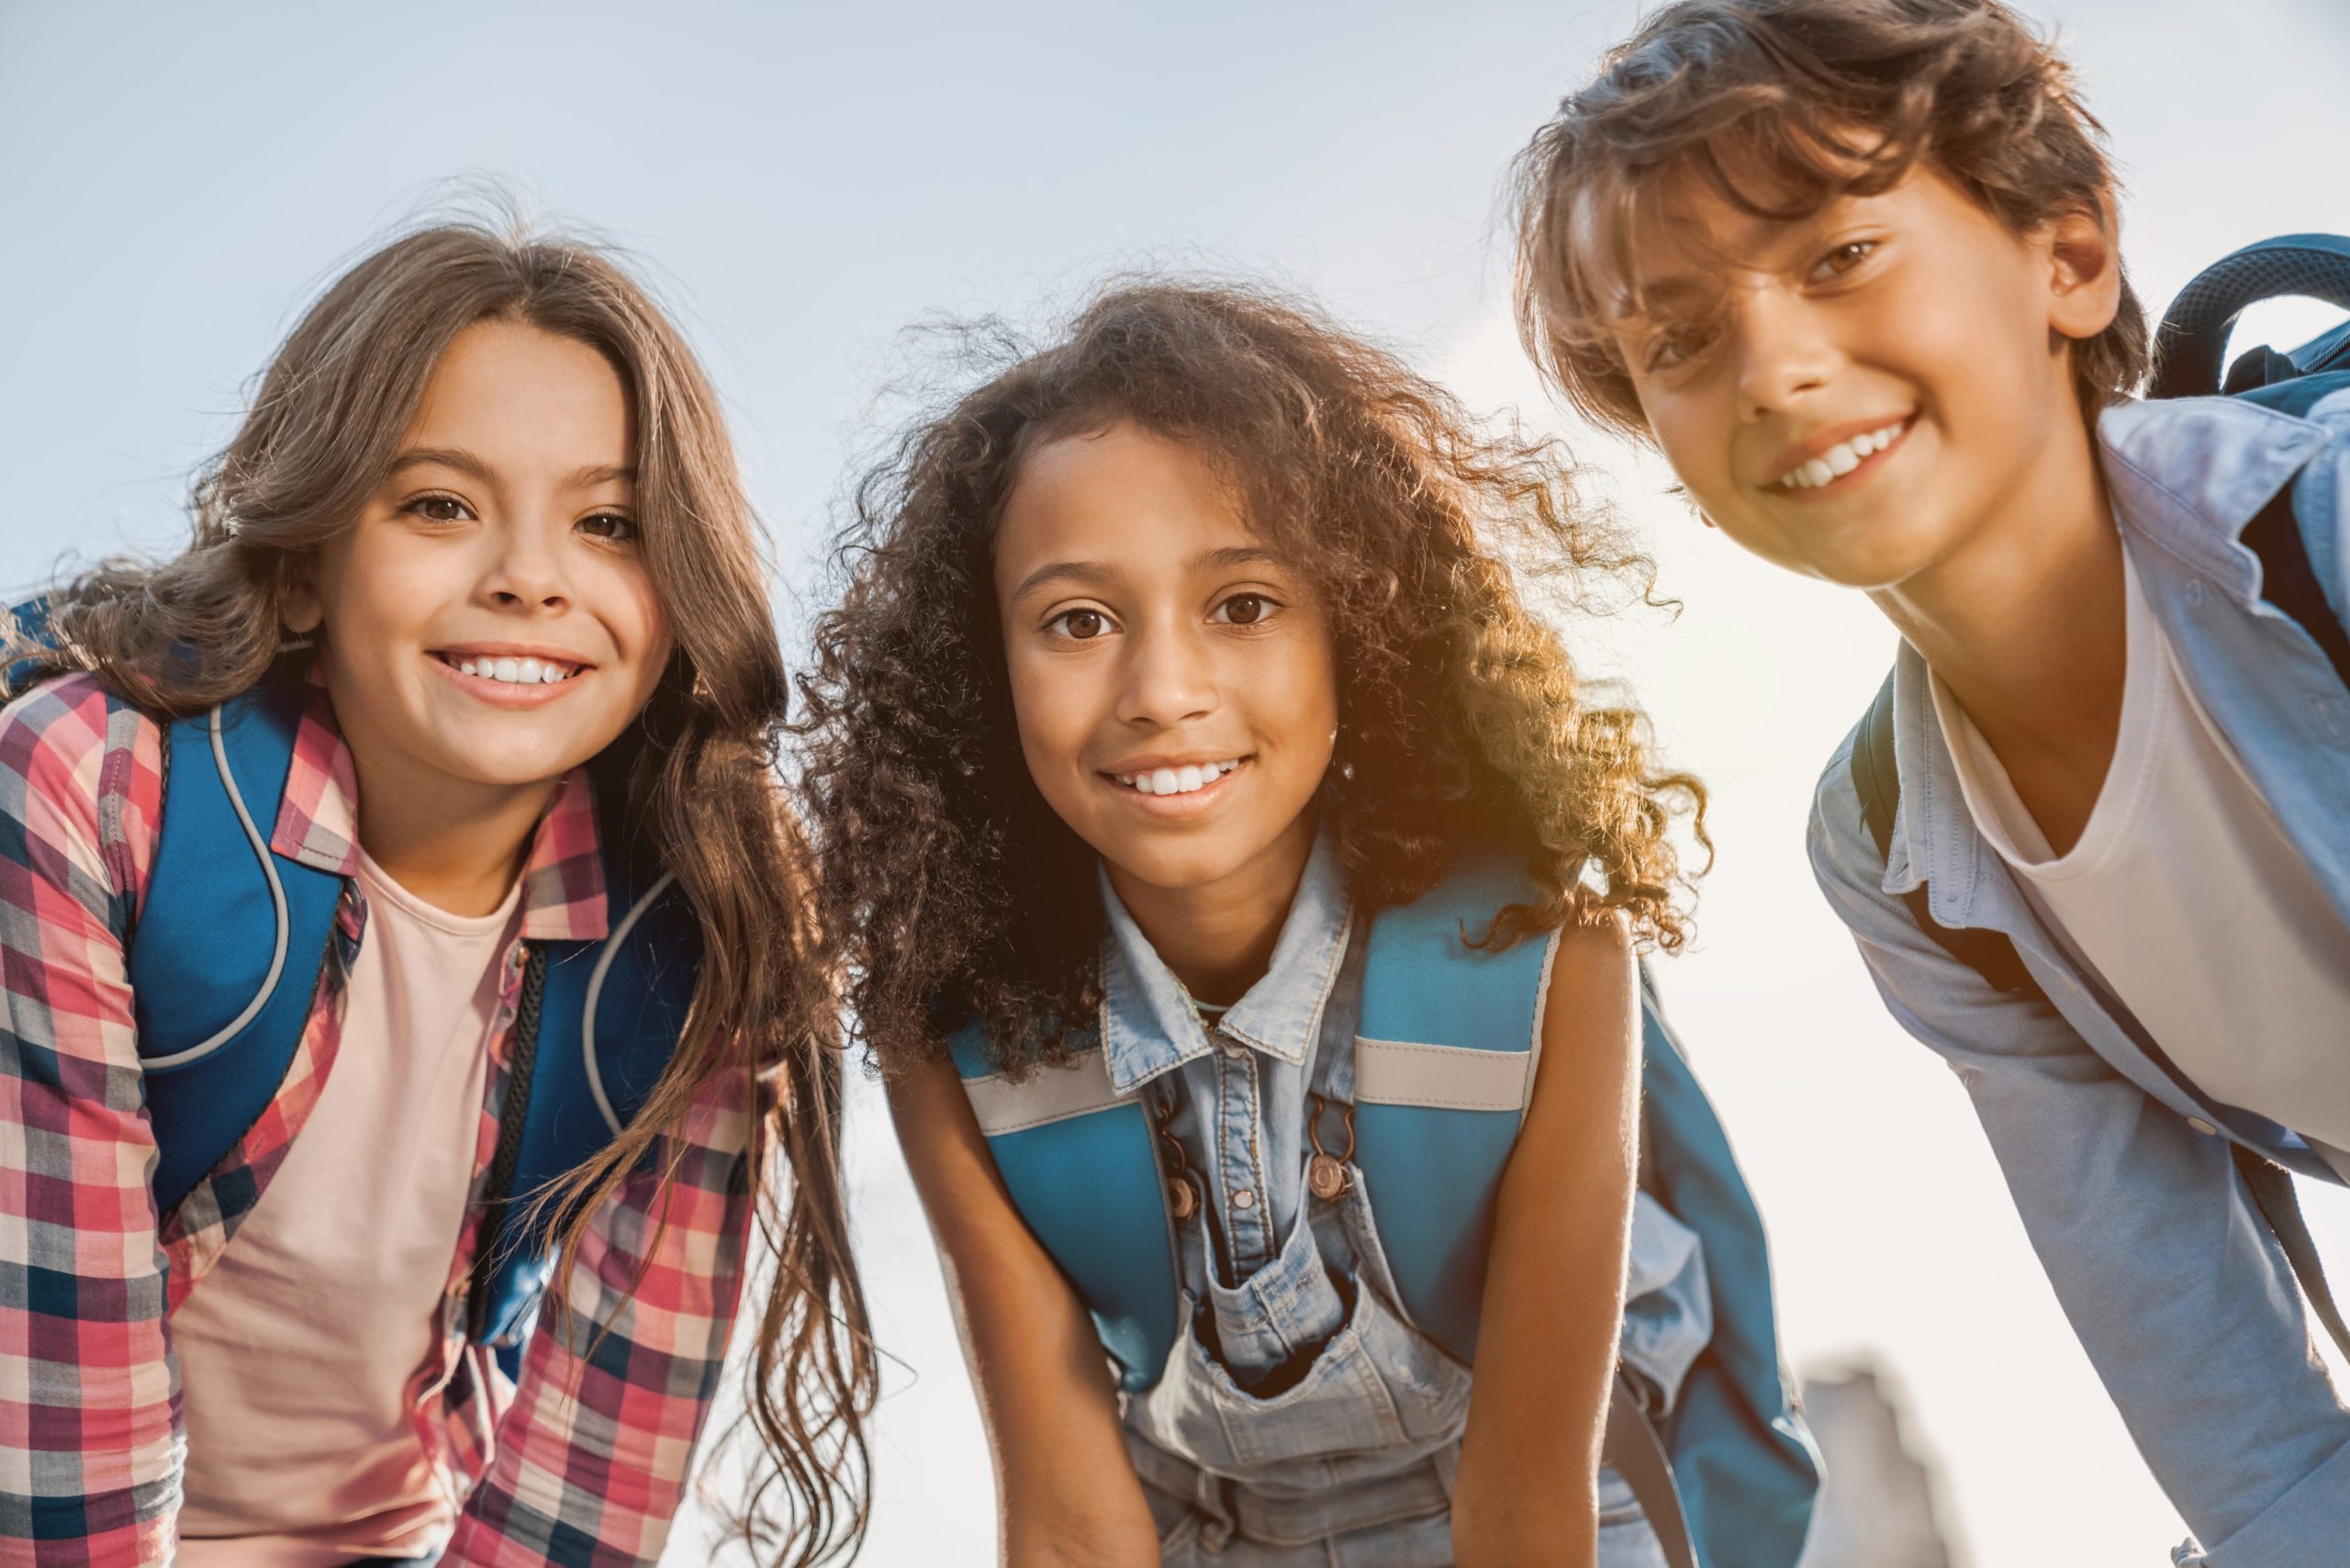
x: 2120, y: 1166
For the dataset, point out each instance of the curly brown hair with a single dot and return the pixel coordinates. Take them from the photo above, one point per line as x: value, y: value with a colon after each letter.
x: 948, y: 886
x: 1781, y: 107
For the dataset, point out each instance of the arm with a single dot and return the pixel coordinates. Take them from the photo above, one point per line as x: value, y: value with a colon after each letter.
x: 2179, y: 1295
x: 598, y: 1441
x: 90, y: 1445
x: 1066, y: 1493
x: 1554, y: 1283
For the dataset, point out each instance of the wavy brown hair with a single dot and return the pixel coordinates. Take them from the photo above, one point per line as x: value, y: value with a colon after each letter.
x: 695, y: 772
x: 1781, y: 108
x: 950, y: 889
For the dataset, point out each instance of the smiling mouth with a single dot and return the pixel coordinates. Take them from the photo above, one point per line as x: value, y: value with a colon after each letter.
x: 1841, y: 459
x: 1177, y: 780
x: 513, y: 671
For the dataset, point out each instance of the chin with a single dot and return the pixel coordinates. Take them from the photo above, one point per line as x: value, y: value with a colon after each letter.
x: 1175, y: 867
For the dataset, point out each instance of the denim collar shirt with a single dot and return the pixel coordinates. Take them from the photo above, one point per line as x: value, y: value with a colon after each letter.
x: 1302, y: 1416
x: 2121, y: 1167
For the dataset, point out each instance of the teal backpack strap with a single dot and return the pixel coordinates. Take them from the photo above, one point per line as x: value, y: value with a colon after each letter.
x: 230, y: 937
x: 596, y: 1027
x: 1444, y: 1064
x: 1450, y: 1040
x: 1748, y: 1468
x: 1080, y: 1164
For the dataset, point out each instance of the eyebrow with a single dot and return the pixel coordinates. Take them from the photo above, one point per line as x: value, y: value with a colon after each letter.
x: 1092, y: 574
x: 473, y: 467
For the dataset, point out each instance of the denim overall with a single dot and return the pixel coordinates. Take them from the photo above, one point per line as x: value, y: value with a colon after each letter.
x: 1302, y: 1416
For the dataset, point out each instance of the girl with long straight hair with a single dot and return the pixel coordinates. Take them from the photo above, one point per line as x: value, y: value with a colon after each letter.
x: 533, y: 1005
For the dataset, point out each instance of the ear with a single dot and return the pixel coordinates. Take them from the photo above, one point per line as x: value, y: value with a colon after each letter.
x: 2084, y: 272
x: 297, y: 600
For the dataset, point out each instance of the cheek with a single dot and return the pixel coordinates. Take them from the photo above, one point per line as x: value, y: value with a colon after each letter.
x: 1050, y: 711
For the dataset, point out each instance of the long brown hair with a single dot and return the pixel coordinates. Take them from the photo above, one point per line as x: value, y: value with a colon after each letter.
x: 175, y: 637
x: 947, y: 887
x: 1781, y: 107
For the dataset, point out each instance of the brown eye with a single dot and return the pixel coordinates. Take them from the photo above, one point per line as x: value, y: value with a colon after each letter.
x: 1247, y: 609
x: 1081, y: 625
x: 438, y: 509
x: 609, y: 525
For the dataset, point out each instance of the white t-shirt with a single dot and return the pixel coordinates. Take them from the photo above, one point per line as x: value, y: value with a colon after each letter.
x: 298, y: 1349
x: 2187, y: 899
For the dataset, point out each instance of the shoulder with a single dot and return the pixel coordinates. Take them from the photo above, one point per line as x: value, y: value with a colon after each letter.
x: 1836, y: 836
x: 83, y: 769
x: 2201, y: 466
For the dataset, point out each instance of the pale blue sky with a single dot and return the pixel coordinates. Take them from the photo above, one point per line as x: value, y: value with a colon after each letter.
x: 803, y: 182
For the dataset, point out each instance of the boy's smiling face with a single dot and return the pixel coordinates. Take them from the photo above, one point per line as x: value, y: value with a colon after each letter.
x: 1865, y: 394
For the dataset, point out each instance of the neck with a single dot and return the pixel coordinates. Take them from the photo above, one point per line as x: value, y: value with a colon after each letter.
x: 1218, y: 937
x: 2025, y: 621
x: 459, y: 848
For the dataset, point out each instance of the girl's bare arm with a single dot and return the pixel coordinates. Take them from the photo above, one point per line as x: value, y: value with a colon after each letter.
x: 1527, y: 1493
x: 1066, y: 1492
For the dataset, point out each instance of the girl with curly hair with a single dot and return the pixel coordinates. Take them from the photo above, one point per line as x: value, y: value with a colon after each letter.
x: 406, y: 852
x: 1177, y: 710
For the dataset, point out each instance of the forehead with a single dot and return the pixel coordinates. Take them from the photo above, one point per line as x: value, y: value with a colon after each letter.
x: 508, y: 385
x: 1672, y: 243
x: 1119, y: 490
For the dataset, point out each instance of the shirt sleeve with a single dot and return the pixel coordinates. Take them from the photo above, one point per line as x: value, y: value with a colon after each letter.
x: 2178, y: 1292
x: 593, y: 1455
x: 91, y: 1447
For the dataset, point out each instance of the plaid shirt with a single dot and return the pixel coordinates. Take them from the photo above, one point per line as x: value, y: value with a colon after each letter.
x: 581, y: 1463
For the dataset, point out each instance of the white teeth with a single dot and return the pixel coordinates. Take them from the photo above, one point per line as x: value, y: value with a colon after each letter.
x: 1841, y: 459
x: 516, y: 672
x: 1177, y: 780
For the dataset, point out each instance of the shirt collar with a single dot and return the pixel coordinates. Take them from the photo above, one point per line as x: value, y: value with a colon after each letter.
x: 1148, y: 1024
x: 2190, y: 472
x: 317, y: 826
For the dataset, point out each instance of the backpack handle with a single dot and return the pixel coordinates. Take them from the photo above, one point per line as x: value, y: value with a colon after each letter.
x: 2191, y: 345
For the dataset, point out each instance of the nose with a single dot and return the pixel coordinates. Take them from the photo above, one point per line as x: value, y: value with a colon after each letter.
x: 1786, y: 352
x: 1170, y: 678
x: 525, y: 569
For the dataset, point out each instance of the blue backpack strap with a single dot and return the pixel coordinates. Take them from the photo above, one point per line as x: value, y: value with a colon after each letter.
x: 231, y: 939
x: 1748, y: 1468
x: 1437, y: 1121
x: 1080, y: 1167
x: 1444, y: 1066
x: 579, y: 1087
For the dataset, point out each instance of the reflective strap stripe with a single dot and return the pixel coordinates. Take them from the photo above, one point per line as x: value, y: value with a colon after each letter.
x: 1078, y: 1087
x: 1452, y: 1077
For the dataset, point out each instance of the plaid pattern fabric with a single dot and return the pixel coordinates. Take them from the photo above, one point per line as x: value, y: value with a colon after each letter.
x: 581, y: 1463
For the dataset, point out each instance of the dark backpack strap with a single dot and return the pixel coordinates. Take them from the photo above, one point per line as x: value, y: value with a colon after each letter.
x: 1875, y: 779
x: 2272, y: 1192
x: 1636, y: 1451
x: 497, y: 1195
x: 2287, y: 579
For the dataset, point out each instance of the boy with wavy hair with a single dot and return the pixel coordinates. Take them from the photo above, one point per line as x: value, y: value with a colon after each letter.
x: 1851, y: 266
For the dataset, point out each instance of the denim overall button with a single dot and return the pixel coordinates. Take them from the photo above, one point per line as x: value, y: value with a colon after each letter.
x: 2194, y: 593
x: 2201, y: 1125
x: 1244, y: 1199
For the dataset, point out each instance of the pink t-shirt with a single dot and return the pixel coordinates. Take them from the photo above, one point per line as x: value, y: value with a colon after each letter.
x: 297, y: 1351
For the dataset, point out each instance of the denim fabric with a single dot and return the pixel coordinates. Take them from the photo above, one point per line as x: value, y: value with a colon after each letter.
x: 1303, y: 1417
x: 2120, y: 1168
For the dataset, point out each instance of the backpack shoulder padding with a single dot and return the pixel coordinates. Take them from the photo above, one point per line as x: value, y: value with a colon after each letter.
x: 1445, y: 1055
x: 232, y: 937
x: 1083, y: 1172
